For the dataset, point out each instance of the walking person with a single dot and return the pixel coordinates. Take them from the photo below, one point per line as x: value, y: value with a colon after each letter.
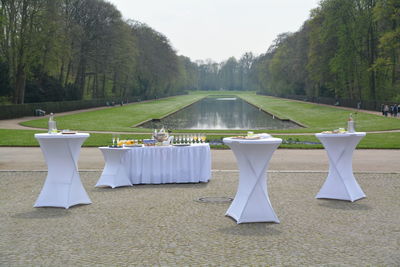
x: 385, y: 110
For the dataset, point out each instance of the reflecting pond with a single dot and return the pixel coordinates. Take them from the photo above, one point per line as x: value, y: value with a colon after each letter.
x: 220, y: 113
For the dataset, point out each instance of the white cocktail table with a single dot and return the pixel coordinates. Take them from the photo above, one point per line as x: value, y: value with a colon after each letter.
x: 340, y: 183
x: 251, y: 203
x: 115, y: 172
x: 63, y: 186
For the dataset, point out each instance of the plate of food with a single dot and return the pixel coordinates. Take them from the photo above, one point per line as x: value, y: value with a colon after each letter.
x: 181, y: 144
x: 68, y: 132
x: 133, y: 145
x: 246, y: 137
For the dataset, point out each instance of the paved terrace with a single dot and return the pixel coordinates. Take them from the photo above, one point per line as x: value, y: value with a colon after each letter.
x: 166, y: 225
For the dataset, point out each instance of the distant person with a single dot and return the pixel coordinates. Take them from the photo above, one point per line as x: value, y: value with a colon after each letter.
x: 395, y: 110
x: 385, y: 110
x: 391, y: 110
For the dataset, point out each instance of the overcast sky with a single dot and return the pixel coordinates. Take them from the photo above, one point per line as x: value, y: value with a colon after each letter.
x: 219, y: 29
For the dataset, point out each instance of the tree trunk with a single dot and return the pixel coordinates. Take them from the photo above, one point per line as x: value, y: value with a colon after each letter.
x: 103, y: 90
x: 61, y: 76
x: 80, y: 78
x: 68, y: 72
x: 20, y: 81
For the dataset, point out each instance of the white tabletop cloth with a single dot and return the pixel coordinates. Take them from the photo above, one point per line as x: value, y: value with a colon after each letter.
x: 63, y: 186
x: 115, y: 174
x: 251, y: 203
x: 168, y: 164
x: 340, y: 183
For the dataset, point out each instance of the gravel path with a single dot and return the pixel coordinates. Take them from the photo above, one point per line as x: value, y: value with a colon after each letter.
x: 166, y: 225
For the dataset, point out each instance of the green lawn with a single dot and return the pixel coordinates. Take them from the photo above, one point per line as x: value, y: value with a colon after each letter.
x: 317, y: 118
x: 26, y: 138
x: 119, y: 118
x: 122, y: 119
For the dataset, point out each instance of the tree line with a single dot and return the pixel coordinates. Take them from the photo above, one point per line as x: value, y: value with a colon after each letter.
x: 56, y: 50
x: 346, y: 49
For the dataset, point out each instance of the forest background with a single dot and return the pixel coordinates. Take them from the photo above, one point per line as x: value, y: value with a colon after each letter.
x: 59, y: 50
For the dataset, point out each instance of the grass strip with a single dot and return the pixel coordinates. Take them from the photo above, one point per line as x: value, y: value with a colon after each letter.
x: 25, y: 138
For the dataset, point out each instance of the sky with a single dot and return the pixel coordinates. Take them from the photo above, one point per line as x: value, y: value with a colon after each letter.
x: 219, y: 29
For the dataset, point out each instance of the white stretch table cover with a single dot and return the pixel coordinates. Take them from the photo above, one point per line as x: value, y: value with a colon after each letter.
x: 115, y: 174
x: 169, y: 164
x: 63, y: 186
x: 251, y: 203
x: 340, y: 183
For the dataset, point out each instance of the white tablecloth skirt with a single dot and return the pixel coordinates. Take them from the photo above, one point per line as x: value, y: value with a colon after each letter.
x: 169, y: 164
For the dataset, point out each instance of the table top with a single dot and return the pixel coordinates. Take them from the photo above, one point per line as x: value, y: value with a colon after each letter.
x: 336, y: 135
x: 269, y: 140
x: 60, y: 135
x: 150, y: 147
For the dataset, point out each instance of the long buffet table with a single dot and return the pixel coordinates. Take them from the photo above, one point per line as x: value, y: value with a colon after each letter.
x: 155, y: 165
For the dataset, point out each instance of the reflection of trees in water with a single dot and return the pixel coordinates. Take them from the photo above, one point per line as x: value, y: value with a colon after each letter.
x: 210, y: 113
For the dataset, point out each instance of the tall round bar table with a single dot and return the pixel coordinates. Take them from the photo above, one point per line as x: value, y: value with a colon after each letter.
x: 340, y: 183
x: 63, y: 186
x: 251, y: 203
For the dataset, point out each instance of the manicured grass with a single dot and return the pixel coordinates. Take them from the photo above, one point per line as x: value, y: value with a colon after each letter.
x: 26, y: 138
x: 119, y: 118
x: 319, y: 118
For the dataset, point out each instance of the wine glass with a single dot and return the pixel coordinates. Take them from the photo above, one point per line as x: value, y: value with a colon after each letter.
x: 195, y: 138
x: 191, y: 139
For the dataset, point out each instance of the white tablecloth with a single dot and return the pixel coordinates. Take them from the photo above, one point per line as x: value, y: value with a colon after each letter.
x: 340, y: 183
x: 63, y: 186
x: 168, y: 164
x: 115, y: 174
x: 251, y: 203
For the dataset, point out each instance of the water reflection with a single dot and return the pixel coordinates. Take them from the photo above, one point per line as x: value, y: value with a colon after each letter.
x: 220, y: 113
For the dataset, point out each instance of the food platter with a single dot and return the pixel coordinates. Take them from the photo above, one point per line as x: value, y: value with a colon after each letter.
x: 246, y: 137
x: 181, y: 144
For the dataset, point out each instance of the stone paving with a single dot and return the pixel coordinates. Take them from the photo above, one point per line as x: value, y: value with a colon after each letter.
x: 166, y: 225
